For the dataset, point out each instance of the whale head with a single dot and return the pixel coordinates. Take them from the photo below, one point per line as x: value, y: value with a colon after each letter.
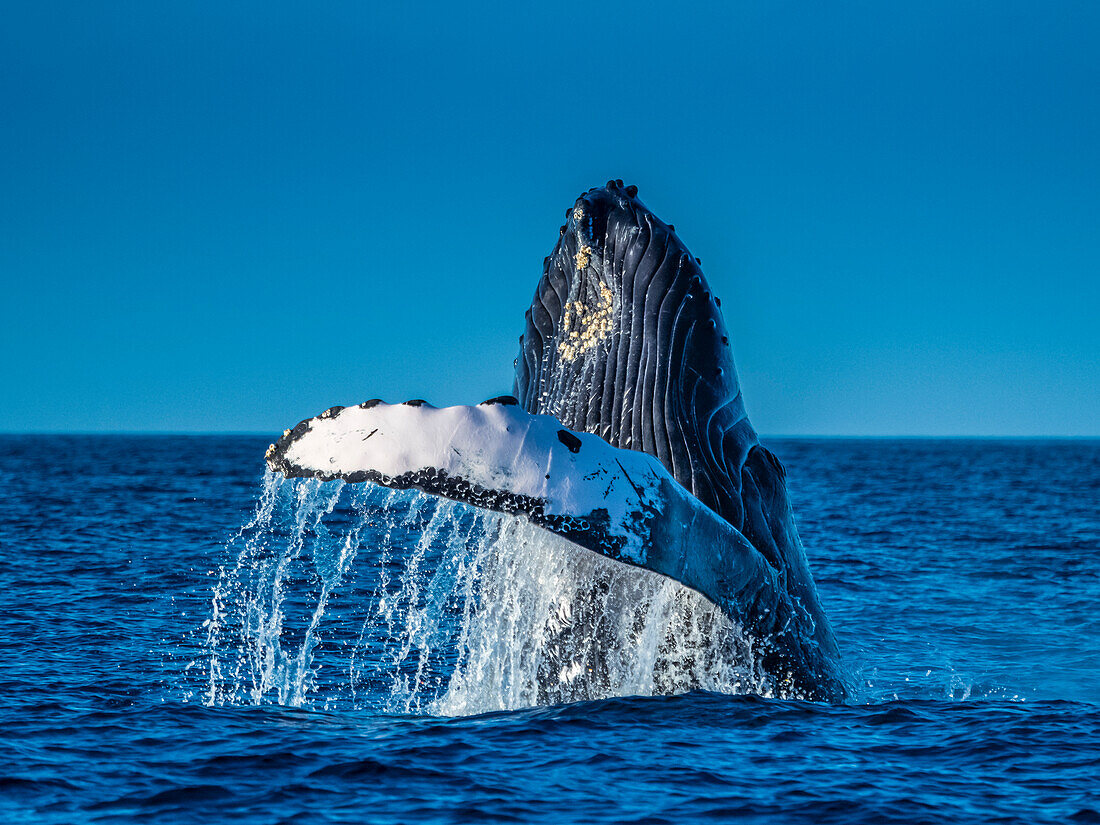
x: 625, y: 339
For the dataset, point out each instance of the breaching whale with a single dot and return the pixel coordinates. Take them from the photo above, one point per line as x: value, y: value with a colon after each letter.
x: 626, y: 435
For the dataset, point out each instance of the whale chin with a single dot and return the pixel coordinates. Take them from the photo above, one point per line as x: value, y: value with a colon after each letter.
x: 626, y: 435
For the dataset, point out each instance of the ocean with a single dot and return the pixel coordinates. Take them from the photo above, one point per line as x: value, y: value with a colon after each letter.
x: 186, y: 639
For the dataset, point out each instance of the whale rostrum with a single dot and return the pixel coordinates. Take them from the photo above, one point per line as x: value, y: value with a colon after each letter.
x: 626, y: 435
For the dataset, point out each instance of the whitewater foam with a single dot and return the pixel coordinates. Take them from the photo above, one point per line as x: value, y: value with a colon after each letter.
x: 449, y: 610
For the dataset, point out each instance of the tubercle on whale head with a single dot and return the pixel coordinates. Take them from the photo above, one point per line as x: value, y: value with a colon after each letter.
x: 594, y: 246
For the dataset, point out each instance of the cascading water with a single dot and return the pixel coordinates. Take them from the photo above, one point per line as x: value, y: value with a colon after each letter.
x: 359, y: 595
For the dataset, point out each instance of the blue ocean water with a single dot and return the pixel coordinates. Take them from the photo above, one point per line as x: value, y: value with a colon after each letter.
x: 187, y: 640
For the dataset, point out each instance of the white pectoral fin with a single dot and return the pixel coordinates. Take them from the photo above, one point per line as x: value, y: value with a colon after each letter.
x: 491, y: 446
x: 494, y: 456
x: 620, y: 503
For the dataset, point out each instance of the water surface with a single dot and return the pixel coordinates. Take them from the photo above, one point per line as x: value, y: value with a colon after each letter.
x: 962, y: 579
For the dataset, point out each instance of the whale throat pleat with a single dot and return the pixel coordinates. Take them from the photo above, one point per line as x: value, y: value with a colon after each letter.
x: 661, y: 379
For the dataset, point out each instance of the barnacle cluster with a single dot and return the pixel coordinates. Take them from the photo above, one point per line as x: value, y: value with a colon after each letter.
x: 584, y: 325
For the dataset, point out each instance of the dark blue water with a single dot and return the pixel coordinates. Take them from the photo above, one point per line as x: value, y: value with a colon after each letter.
x: 962, y: 578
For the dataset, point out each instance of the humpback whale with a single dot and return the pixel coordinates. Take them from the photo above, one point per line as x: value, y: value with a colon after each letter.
x: 626, y: 435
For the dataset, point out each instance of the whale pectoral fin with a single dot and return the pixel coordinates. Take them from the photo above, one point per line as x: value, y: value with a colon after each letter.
x: 620, y: 503
x: 494, y: 456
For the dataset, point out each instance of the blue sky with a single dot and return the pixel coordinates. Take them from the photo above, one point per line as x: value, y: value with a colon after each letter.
x: 232, y: 218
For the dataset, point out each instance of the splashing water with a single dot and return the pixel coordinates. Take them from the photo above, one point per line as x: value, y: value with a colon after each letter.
x: 399, y: 601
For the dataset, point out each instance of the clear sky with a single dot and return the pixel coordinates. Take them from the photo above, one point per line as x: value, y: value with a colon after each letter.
x: 230, y: 216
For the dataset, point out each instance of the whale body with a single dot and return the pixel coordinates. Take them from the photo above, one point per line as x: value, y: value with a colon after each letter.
x: 627, y: 435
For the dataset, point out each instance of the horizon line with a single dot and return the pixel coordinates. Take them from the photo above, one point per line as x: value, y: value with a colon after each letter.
x: 762, y: 436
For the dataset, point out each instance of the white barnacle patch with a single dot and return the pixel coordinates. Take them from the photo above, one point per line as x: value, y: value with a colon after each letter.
x: 578, y: 213
x: 584, y: 325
